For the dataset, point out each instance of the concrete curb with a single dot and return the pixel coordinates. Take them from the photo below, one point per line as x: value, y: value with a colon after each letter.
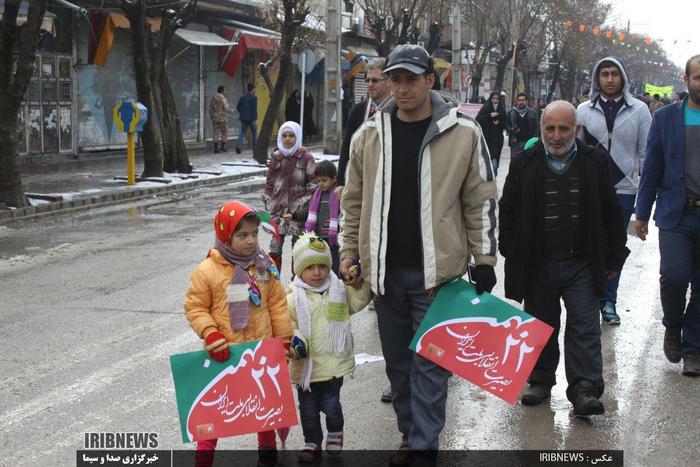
x: 109, y: 198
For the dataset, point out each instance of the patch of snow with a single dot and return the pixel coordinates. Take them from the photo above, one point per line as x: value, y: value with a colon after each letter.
x: 37, y: 202
x: 362, y: 358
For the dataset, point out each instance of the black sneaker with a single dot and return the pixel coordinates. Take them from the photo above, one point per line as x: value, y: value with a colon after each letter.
x: 387, y: 396
x: 672, y: 345
x: 535, y: 394
x: 691, y: 364
x: 587, y: 404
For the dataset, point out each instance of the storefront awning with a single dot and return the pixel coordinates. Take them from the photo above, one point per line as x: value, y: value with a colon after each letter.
x: 111, y: 22
x: 205, y: 39
x: 317, y: 72
x: 358, y: 57
x: 443, y: 67
x: 232, y: 56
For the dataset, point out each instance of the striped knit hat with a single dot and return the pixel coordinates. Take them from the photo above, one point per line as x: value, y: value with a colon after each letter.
x: 310, y: 250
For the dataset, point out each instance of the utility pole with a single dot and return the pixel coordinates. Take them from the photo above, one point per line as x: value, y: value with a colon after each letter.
x: 332, y: 104
x: 456, y: 53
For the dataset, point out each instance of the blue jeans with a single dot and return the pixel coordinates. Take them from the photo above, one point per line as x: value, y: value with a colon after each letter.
x: 611, y: 285
x: 323, y: 397
x: 419, y: 386
x: 245, y: 124
x: 680, y: 265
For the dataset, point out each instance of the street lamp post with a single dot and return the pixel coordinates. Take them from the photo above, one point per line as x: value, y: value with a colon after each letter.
x: 332, y: 103
x: 456, y: 53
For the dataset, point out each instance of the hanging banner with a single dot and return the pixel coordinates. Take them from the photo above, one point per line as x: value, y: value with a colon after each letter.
x: 249, y: 393
x: 660, y: 90
x: 482, y: 339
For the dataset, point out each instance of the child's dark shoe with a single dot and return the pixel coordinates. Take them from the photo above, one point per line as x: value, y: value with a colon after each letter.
x: 267, y: 456
x: 310, y: 453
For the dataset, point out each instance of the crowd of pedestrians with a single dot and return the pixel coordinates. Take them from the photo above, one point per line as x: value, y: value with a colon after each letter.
x: 415, y: 200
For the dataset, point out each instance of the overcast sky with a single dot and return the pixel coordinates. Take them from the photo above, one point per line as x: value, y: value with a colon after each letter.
x: 671, y: 20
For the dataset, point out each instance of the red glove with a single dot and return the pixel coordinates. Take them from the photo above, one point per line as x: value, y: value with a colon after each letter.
x: 217, y: 346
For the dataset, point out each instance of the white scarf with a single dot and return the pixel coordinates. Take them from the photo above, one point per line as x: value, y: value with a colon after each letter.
x: 294, y: 128
x: 338, y: 338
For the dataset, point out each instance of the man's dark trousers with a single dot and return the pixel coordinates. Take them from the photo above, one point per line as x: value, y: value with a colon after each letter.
x: 419, y: 386
x: 245, y: 124
x: 571, y: 280
x: 680, y: 265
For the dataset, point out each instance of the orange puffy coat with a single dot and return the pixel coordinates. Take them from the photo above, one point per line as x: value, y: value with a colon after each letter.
x: 206, y: 304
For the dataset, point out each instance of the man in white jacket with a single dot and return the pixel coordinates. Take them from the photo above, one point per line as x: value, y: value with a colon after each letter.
x: 613, y: 120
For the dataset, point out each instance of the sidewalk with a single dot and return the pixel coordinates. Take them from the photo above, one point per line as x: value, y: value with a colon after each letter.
x: 65, y: 185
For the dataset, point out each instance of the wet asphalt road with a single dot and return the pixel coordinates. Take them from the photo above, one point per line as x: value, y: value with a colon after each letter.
x: 91, y: 307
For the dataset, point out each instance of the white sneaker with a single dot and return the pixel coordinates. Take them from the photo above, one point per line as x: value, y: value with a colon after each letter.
x: 334, y: 443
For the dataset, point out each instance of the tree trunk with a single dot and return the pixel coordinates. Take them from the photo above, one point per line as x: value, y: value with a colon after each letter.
x: 289, y: 28
x: 434, y: 37
x: 474, y: 83
x: 553, y: 83
x: 175, y: 158
x: 151, y: 137
x: 501, y: 66
x: 20, y: 44
x: 11, y: 191
x: 569, y: 84
x: 177, y: 161
x: 265, y: 136
x: 263, y: 68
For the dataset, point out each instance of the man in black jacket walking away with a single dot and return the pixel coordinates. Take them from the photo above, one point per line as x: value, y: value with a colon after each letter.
x: 562, y: 233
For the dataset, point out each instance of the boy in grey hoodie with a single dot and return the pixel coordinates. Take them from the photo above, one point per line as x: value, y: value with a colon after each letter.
x: 613, y: 120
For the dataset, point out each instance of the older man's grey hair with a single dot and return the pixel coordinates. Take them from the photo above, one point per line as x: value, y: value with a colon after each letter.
x: 559, y: 104
x: 376, y: 64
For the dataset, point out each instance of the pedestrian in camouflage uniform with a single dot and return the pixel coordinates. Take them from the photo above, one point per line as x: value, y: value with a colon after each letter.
x: 218, y: 108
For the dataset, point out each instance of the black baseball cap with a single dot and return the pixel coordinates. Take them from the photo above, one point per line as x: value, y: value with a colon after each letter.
x: 411, y: 57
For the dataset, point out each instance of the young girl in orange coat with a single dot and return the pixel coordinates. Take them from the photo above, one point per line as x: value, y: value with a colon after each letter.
x: 235, y: 296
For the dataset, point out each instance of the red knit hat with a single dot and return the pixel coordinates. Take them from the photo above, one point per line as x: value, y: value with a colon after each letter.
x: 227, y: 218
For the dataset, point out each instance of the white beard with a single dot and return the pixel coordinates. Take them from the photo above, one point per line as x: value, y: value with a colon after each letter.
x: 563, y: 151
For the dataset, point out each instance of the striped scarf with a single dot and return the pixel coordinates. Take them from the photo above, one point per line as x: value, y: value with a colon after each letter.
x: 338, y: 338
x: 243, y: 288
x: 334, y: 211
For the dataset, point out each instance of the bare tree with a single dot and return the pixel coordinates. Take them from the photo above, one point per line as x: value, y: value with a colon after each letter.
x: 393, y: 22
x: 140, y: 36
x: 483, y: 30
x: 513, y: 21
x: 572, y: 50
x: 289, y: 16
x: 174, y: 150
x: 18, y: 44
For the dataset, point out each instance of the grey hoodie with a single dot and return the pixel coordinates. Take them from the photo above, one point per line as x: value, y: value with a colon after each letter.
x: 628, y: 140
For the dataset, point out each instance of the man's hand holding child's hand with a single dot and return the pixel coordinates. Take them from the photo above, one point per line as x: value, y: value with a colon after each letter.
x: 351, y: 274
